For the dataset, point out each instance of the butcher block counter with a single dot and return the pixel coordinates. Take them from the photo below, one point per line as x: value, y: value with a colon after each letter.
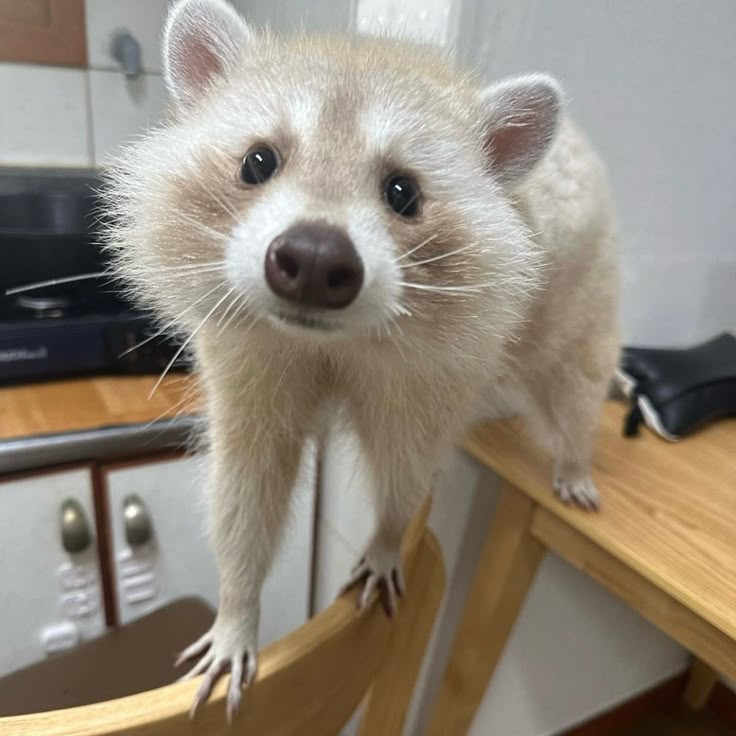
x: 57, y: 422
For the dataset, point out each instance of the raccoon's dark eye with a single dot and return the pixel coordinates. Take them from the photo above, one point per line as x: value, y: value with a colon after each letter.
x: 259, y: 164
x: 402, y: 196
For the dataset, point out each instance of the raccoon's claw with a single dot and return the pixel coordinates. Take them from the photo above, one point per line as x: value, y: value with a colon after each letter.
x: 222, y: 648
x: 380, y: 570
x: 578, y: 491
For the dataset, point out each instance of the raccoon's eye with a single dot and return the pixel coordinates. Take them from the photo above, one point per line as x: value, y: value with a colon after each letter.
x: 402, y: 196
x: 259, y: 164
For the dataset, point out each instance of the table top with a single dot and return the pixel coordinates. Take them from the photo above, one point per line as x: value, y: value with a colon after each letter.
x: 668, y: 509
x: 90, y: 403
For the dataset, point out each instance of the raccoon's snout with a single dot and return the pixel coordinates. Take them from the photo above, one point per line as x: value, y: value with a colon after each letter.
x: 314, y: 265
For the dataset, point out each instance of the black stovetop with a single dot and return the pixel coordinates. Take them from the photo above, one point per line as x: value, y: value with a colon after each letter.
x: 50, y: 230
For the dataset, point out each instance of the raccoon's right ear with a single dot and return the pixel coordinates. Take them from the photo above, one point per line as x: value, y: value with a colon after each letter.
x: 201, y: 41
x: 521, y: 116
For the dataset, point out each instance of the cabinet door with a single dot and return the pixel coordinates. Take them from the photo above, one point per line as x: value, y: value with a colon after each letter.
x: 50, y: 597
x: 176, y: 559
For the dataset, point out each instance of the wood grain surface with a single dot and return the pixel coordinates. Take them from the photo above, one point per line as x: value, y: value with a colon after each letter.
x: 89, y: 403
x: 668, y: 511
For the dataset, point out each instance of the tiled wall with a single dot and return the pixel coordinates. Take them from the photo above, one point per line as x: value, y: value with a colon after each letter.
x: 56, y: 116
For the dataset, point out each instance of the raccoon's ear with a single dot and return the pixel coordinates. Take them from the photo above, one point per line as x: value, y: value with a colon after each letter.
x: 201, y: 40
x: 521, y: 117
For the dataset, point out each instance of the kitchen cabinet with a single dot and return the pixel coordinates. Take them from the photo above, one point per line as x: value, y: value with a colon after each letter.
x: 50, y: 585
x: 150, y: 549
x: 159, y: 550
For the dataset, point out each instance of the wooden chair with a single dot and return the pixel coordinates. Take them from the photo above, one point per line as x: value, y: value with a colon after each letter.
x: 309, y: 683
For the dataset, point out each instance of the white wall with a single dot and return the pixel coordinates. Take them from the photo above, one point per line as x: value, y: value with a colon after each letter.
x: 426, y: 20
x: 653, y: 83
x: 293, y: 15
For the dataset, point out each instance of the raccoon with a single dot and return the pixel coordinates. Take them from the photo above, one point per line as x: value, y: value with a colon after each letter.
x: 357, y: 229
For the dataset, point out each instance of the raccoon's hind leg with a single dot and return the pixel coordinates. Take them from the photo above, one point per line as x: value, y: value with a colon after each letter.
x: 565, y: 412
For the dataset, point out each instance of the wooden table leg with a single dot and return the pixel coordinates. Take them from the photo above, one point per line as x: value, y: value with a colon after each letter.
x: 701, y: 680
x: 506, y: 569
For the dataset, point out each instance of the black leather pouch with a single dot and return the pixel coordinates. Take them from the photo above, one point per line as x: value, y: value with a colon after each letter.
x: 674, y: 392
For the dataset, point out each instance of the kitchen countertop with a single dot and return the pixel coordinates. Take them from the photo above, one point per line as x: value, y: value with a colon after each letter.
x: 101, y: 418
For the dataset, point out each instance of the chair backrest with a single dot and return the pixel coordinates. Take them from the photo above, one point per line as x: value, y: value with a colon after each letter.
x: 309, y: 683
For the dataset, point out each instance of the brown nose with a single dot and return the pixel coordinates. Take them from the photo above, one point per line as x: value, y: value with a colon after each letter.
x: 314, y: 264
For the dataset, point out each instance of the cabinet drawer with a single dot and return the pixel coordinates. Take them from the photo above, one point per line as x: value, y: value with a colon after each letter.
x: 50, y: 596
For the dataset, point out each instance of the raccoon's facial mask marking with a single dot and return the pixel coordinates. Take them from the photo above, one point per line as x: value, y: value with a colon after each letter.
x: 408, y: 189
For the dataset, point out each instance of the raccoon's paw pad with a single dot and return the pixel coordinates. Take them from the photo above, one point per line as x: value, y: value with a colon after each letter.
x: 575, y: 490
x: 380, y: 569
x: 223, y: 648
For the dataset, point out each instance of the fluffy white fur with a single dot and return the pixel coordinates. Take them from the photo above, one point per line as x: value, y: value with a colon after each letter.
x: 500, y: 295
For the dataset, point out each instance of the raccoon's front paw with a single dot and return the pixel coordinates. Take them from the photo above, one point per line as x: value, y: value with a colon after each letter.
x: 230, y: 645
x: 576, y: 488
x: 379, y: 569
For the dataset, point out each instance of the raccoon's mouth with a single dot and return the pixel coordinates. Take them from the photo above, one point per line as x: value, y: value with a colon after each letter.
x: 307, y: 321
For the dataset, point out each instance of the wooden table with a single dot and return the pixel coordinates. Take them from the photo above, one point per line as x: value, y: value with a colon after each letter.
x: 88, y: 403
x: 664, y: 542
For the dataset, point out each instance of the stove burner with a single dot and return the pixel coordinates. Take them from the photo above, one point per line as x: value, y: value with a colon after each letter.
x: 44, y: 306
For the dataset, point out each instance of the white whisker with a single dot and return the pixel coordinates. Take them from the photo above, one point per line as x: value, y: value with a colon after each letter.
x: 204, y: 267
x: 233, y: 302
x: 396, y: 343
x: 473, y: 289
x: 176, y: 409
x: 166, y: 327
x: 417, y: 247
x: 54, y: 282
x: 187, y: 341
x: 243, y: 307
x: 225, y: 205
x: 401, y: 310
x: 439, y: 257
x: 190, y: 266
x: 207, y: 229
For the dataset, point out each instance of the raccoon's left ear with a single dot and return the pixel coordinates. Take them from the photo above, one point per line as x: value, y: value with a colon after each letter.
x: 201, y: 41
x: 521, y: 117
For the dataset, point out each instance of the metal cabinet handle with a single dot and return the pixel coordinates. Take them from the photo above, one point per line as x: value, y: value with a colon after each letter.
x: 138, y: 527
x: 75, y: 531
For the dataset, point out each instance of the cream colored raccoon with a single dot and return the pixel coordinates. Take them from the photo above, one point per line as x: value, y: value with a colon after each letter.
x: 353, y: 226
